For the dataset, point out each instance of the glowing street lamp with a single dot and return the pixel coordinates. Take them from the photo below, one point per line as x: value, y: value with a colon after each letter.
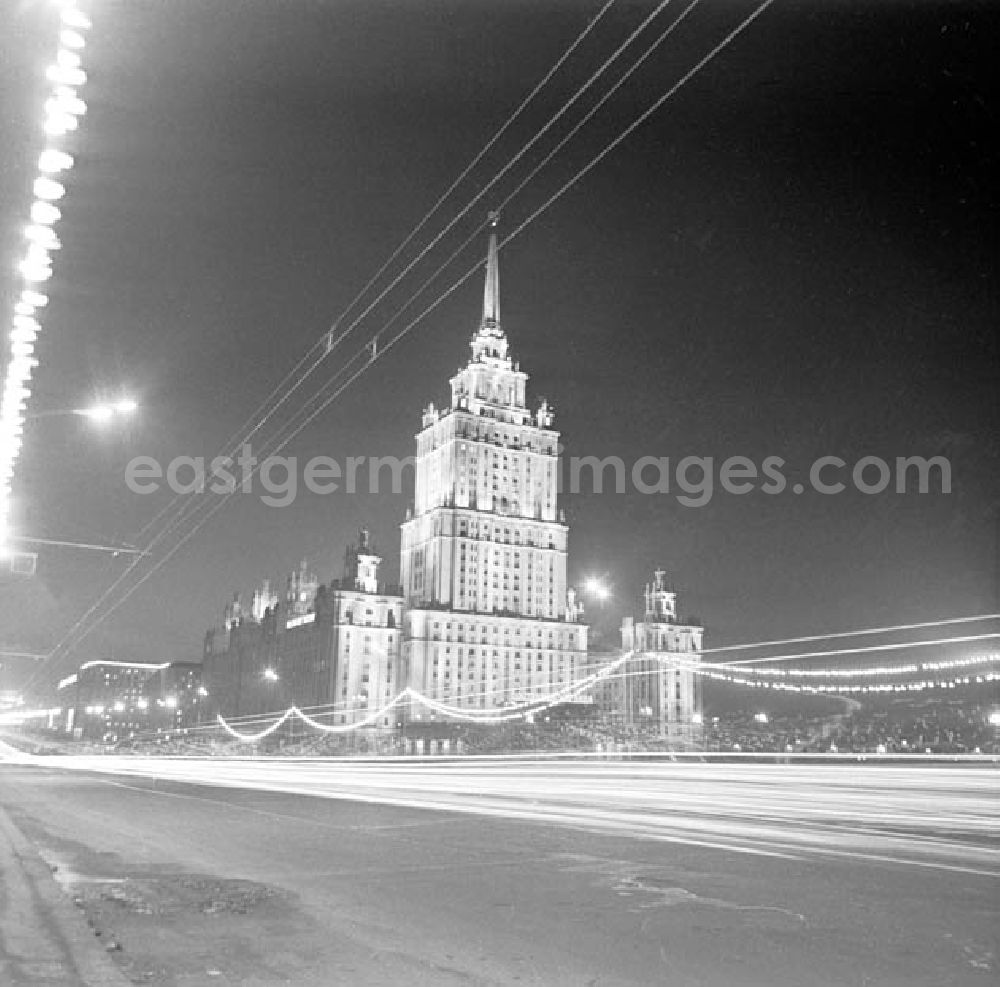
x: 597, y: 589
x: 97, y: 412
x: 105, y: 412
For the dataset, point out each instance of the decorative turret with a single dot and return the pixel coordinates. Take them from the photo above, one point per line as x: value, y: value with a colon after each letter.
x: 361, y: 565
x: 301, y: 590
x: 263, y: 598
x: 661, y: 602
x: 489, y: 345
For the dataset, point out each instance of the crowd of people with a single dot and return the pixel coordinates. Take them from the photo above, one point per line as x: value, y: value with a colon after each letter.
x: 894, y: 728
x: 938, y: 728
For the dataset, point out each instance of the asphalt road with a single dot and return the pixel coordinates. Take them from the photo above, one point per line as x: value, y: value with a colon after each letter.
x: 512, y: 873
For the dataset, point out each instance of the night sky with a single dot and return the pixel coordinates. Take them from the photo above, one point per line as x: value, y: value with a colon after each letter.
x: 795, y: 256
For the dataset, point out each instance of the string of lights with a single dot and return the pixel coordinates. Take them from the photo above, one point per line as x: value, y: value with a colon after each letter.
x: 62, y: 111
x: 878, y: 670
x: 598, y: 661
x: 531, y: 708
x: 892, y: 646
x: 864, y: 632
x: 921, y: 685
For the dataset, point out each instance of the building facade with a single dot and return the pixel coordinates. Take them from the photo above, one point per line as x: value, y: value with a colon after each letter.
x: 660, y: 694
x: 113, y: 701
x: 489, y: 619
x: 174, y: 697
x: 336, y: 646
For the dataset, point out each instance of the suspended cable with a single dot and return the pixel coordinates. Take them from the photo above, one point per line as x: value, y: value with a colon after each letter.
x: 728, y: 39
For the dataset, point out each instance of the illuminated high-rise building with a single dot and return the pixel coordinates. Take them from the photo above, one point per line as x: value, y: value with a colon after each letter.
x: 662, y: 692
x: 489, y: 619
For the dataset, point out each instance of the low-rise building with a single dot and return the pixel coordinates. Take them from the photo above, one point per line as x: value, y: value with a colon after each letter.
x: 104, y: 700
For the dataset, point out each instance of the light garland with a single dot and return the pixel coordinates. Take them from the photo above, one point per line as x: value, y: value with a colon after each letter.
x: 919, y: 686
x: 410, y: 696
x: 63, y: 108
x: 834, y: 673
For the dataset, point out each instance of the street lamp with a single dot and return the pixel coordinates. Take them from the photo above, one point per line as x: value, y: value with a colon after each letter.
x: 596, y: 588
x: 97, y: 412
x: 10, y: 443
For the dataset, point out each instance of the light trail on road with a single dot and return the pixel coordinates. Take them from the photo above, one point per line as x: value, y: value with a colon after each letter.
x: 943, y: 817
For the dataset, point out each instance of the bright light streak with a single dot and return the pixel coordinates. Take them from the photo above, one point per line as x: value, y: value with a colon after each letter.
x: 67, y: 59
x: 126, y: 406
x: 101, y: 413
x: 63, y: 76
x: 72, y: 17
x: 59, y: 123
x: 170, y: 702
x: 43, y: 236
x: 47, y: 188
x: 70, y: 39
x: 270, y: 675
x: 34, y: 271
x: 66, y: 102
x: 994, y: 718
x: 53, y: 161
x: 45, y: 213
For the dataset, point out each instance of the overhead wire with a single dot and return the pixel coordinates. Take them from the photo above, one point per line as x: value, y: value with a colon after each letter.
x: 324, y: 340
x: 720, y: 46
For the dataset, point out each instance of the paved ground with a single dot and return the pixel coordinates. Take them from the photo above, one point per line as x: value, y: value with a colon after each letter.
x: 606, y: 874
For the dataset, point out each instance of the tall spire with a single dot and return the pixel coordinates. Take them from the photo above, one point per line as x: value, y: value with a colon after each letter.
x: 491, y: 294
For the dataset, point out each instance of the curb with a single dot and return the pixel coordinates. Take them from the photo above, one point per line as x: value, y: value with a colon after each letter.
x: 55, y: 924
